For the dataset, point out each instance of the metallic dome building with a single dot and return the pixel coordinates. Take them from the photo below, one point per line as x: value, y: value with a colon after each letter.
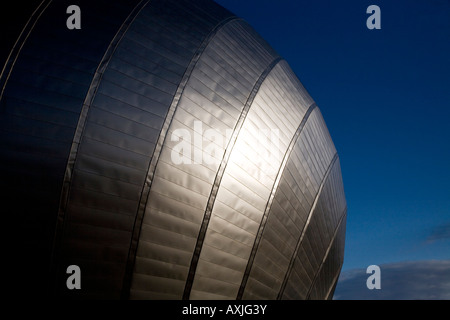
x: 168, y: 151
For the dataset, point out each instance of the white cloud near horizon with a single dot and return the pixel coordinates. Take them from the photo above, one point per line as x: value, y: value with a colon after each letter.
x: 412, y: 280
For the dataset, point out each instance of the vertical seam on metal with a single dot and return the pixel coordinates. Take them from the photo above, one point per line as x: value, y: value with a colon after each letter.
x: 326, y: 253
x: 90, y: 96
x: 334, y: 283
x: 219, y: 175
x: 336, y: 277
x: 262, y: 225
x: 20, y: 42
x: 157, y: 153
x: 311, y: 211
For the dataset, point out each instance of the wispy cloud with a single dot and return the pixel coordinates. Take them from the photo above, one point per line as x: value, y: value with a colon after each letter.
x: 418, y: 280
x: 441, y: 232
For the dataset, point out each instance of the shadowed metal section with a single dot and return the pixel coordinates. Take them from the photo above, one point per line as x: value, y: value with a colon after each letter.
x: 11, y: 60
x: 41, y: 104
x: 329, y: 253
x: 316, y: 262
x: 329, y: 294
x: 306, y: 226
x: 93, y: 88
x: 271, y: 198
x: 218, y: 179
x: 157, y: 153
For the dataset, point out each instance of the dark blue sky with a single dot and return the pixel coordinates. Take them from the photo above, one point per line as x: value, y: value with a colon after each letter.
x: 385, y: 96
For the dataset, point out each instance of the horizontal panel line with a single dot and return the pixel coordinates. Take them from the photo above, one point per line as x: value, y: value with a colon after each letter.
x: 161, y: 245
x: 215, y: 279
x: 122, y: 74
x: 206, y: 69
x: 115, y: 146
x: 29, y: 102
x: 35, y: 136
x: 239, y: 211
x: 226, y: 236
x: 120, y: 214
x: 93, y: 173
x: 177, y: 167
x: 119, y: 131
x: 180, y: 185
x: 133, y: 93
x: 58, y: 64
x: 93, y: 226
x: 84, y: 154
x: 96, y: 104
x: 43, y: 91
x: 159, y: 261
x: 49, y: 77
x: 59, y: 124
x: 126, y: 118
x: 153, y: 225
x: 160, y: 44
x: 145, y: 63
x: 140, y: 69
x: 102, y: 192
x: 173, y: 199
x: 217, y: 107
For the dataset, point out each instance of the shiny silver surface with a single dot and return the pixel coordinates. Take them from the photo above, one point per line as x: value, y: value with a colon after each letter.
x: 91, y: 122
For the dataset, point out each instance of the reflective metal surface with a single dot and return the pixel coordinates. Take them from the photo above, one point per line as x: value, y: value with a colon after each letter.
x: 92, y: 124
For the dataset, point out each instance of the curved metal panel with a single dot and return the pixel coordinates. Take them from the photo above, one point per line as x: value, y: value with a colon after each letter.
x: 126, y: 117
x: 212, y: 100
x: 40, y: 107
x: 157, y: 153
x: 28, y: 28
x: 275, y: 114
x: 312, y: 248
x: 218, y: 179
x: 96, y: 162
x: 270, y: 201
x: 327, y: 276
x: 293, y: 200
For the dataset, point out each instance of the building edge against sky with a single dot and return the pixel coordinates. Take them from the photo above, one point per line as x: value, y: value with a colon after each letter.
x: 92, y: 120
